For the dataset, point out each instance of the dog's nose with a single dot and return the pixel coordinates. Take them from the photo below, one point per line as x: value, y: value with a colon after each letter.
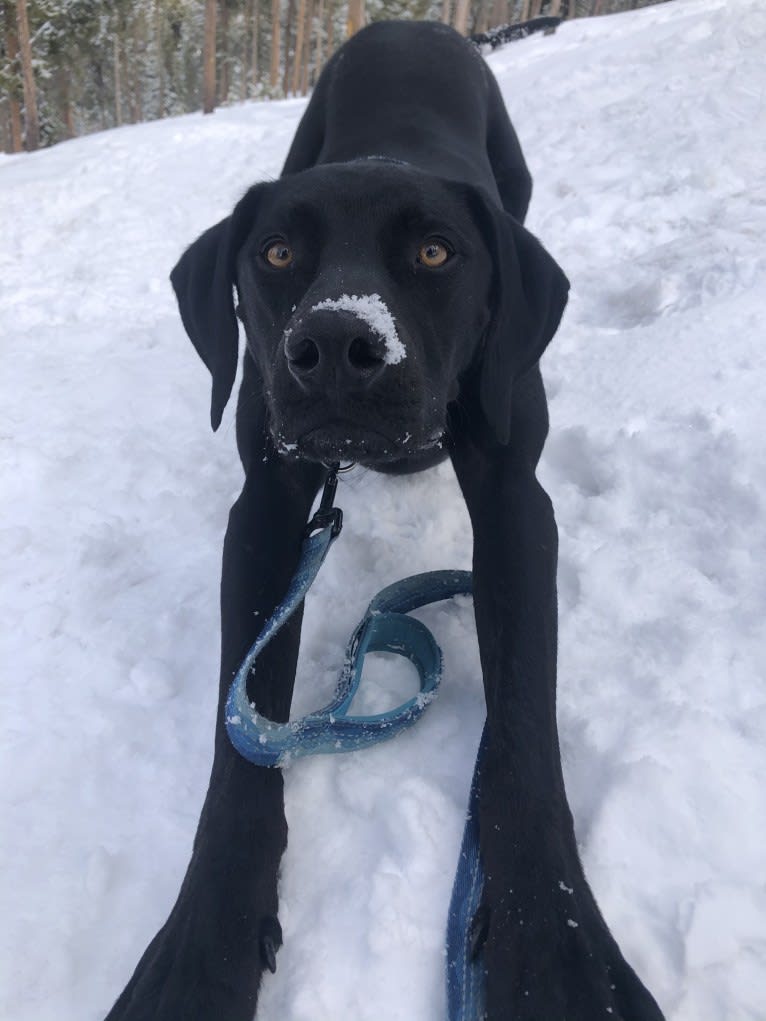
x: 334, y: 349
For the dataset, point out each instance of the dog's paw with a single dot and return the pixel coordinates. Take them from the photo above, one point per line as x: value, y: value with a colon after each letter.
x: 550, y: 957
x: 188, y: 972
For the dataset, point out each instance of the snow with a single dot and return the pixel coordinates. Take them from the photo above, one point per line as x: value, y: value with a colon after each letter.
x: 645, y: 135
x: 373, y: 311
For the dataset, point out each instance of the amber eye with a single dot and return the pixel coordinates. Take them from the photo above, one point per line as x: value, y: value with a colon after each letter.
x: 279, y: 255
x: 433, y: 254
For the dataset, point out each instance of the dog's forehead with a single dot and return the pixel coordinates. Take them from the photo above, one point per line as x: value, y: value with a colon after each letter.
x: 373, y: 187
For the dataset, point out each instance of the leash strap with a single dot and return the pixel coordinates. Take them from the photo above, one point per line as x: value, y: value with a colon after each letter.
x: 465, y: 967
x: 385, y: 627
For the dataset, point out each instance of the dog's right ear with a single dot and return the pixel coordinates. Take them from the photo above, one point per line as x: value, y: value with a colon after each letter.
x: 529, y: 294
x: 204, y: 279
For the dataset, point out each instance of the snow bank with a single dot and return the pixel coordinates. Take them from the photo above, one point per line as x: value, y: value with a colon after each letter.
x: 645, y: 134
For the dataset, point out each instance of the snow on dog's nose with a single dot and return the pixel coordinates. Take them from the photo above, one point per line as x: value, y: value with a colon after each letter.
x: 343, y: 344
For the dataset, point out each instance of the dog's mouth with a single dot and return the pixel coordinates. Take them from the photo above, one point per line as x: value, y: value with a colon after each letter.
x: 345, y: 441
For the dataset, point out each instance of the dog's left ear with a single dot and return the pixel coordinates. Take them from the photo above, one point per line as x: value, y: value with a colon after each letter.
x: 204, y: 279
x: 529, y: 294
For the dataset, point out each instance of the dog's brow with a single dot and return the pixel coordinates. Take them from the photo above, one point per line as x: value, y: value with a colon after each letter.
x: 302, y: 210
x: 291, y: 214
x: 425, y: 213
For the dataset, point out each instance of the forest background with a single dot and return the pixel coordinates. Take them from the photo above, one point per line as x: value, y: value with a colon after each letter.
x: 70, y: 67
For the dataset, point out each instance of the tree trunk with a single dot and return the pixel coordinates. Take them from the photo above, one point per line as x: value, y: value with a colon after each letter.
x: 208, y: 58
x: 130, y: 79
x: 534, y: 8
x: 330, y: 28
x: 255, y: 21
x: 31, y: 123
x: 14, y: 106
x: 572, y: 9
x: 318, y: 58
x: 160, y: 59
x: 275, y: 42
x: 136, y: 97
x: 356, y: 17
x: 306, y: 48
x: 223, y: 88
x: 14, y: 113
x: 446, y: 12
x: 117, y: 80
x: 461, y: 16
x: 300, y: 33
x: 555, y: 9
x: 598, y: 7
x: 288, y: 39
x: 62, y: 80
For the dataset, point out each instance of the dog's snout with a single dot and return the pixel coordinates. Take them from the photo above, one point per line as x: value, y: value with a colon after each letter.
x: 333, y: 349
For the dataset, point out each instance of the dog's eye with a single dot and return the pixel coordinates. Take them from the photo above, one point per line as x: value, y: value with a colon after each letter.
x: 279, y: 254
x: 433, y: 254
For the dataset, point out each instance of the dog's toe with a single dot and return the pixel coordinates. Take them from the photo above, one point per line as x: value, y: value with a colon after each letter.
x: 271, y: 941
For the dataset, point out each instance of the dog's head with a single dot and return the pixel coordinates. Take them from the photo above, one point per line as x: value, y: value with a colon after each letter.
x: 370, y: 294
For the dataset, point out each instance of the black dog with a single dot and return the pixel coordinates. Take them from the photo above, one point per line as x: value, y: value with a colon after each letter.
x: 503, y: 34
x: 395, y: 310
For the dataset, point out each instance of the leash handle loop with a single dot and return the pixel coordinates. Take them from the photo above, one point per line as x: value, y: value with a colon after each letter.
x: 385, y: 627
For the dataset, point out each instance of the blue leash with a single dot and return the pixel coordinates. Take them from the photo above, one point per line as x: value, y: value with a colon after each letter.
x: 385, y: 627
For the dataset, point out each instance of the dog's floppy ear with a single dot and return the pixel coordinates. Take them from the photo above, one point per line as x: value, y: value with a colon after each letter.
x: 204, y: 279
x: 529, y: 294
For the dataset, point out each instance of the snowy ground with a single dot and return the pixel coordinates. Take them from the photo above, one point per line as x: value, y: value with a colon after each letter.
x: 647, y: 137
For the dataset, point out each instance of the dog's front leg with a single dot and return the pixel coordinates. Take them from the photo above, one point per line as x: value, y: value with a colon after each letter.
x: 205, y: 964
x: 548, y: 952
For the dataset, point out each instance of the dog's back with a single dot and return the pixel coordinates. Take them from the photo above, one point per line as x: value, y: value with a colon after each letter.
x: 417, y: 92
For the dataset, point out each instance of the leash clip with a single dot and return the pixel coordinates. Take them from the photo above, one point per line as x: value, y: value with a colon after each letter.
x: 333, y: 516
x: 326, y: 514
